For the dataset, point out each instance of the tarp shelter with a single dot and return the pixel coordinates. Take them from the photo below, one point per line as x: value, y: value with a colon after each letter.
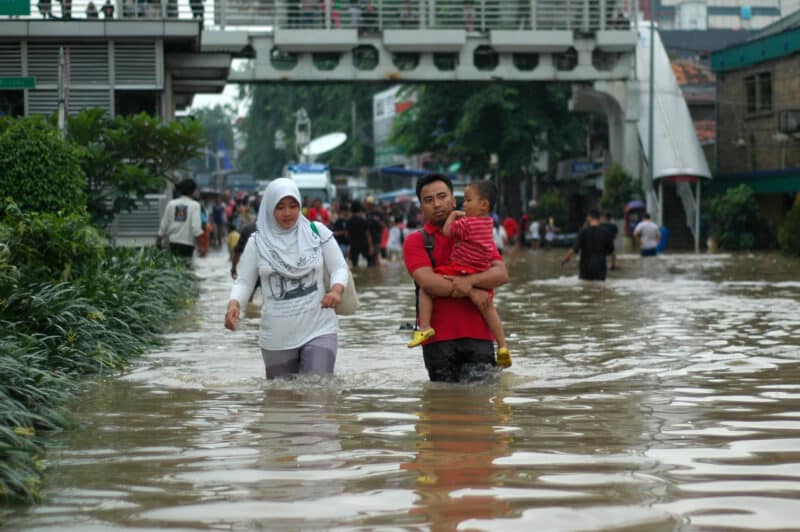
x: 394, y: 196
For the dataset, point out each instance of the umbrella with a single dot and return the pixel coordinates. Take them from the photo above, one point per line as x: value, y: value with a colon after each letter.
x: 635, y: 204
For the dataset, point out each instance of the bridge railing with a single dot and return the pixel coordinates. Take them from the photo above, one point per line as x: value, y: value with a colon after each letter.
x: 471, y: 15
x: 366, y: 16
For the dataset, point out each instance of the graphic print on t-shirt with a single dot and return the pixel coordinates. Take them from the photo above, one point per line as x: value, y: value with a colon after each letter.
x: 284, y: 288
x: 181, y: 213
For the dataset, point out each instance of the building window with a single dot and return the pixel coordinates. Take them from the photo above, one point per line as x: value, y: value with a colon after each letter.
x: 128, y: 103
x: 12, y: 103
x: 759, y: 92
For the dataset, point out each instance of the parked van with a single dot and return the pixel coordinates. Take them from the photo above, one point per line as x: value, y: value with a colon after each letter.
x: 314, y: 181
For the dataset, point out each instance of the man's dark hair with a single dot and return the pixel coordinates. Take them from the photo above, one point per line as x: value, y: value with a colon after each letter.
x: 356, y: 207
x: 594, y: 214
x: 486, y: 190
x: 430, y: 178
x: 646, y: 216
x: 186, y: 187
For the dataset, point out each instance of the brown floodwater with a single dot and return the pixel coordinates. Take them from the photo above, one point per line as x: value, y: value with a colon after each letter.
x: 667, y: 398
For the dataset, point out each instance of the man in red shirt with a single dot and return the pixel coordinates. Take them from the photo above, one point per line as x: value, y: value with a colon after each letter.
x: 318, y: 213
x: 463, y: 348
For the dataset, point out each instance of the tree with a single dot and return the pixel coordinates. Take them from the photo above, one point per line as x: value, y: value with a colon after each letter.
x: 619, y: 188
x: 330, y: 108
x: 218, y: 127
x: 126, y: 157
x: 470, y: 121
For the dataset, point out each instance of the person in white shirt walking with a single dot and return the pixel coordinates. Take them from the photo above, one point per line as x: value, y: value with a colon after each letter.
x: 648, y: 235
x: 181, y: 223
x: 298, y: 322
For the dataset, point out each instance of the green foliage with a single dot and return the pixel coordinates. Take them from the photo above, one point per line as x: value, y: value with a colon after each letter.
x: 329, y: 107
x: 550, y: 203
x: 738, y: 222
x: 38, y: 169
x: 619, y: 188
x: 53, y: 333
x: 126, y: 157
x: 50, y: 247
x: 469, y: 121
x: 789, y: 233
x: 217, y: 124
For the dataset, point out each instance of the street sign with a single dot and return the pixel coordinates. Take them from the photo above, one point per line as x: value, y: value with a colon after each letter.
x: 14, y: 84
x: 584, y: 167
x: 15, y: 7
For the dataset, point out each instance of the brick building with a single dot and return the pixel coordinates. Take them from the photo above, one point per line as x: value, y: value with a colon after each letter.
x: 758, y: 115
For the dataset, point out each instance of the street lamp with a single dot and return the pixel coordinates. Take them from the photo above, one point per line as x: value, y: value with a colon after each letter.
x: 302, y: 132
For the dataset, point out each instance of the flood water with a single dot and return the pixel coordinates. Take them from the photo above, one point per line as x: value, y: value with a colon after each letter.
x: 667, y: 398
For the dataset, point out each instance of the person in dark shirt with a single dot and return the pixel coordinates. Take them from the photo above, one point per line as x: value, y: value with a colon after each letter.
x: 375, y: 226
x: 594, y: 243
x: 361, y: 242
x: 340, y: 229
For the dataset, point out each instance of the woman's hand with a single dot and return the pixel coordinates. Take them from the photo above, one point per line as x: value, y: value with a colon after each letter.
x: 232, y: 316
x: 334, y: 297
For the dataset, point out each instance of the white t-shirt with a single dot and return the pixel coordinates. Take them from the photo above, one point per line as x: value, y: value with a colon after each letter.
x: 394, y: 242
x: 649, y: 233
x: 533, y: 232
x: 500, y: 236
x: 291, y: 314
x: 181, y: 221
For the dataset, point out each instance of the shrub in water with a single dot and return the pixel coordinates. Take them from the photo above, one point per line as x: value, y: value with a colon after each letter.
x: 738, y: 222
x: 789, y: 234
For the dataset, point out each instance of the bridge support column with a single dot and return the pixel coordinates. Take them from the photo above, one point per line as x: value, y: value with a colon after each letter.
x: 619, y: 101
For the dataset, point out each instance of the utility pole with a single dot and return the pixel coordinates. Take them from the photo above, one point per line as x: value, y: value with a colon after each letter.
x: 63, y: 91
x: 650, y: 125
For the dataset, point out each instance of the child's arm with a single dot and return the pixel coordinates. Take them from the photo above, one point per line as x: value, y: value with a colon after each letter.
x: 454, y: 215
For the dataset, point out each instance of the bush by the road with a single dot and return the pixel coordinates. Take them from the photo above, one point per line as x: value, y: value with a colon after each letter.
x: 39, y: 170
x: 56, y: 329
x: 789, y: 234
x: 738, y: 223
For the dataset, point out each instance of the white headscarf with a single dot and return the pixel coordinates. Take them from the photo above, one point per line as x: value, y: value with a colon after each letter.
x: 292, y: 252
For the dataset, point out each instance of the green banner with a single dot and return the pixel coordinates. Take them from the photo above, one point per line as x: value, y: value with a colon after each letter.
x: 15, y: 7
x: 15, y: 84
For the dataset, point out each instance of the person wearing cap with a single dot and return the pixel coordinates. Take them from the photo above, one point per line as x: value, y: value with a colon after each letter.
x: 181, y: 223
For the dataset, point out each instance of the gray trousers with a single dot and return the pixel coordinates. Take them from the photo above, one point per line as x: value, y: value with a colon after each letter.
x: 317, y: 356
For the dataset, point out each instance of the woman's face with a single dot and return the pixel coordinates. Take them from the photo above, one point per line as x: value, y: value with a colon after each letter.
x: 287, y: 211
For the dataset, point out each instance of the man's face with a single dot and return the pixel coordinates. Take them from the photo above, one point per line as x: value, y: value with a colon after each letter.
x: 437, y: 202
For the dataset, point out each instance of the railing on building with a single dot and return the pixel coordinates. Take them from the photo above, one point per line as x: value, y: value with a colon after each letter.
x: 366, y: 16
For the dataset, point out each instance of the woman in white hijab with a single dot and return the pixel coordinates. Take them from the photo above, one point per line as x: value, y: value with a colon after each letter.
x: 298, y: 322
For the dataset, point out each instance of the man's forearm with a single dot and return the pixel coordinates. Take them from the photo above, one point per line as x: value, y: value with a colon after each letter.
x: 495, y: 276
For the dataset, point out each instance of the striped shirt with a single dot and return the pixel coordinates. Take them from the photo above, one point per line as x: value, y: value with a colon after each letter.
x: 474, y: 242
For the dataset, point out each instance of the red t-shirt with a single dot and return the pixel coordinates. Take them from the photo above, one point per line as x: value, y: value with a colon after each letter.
x: 511, y: 226
x: 453, y: 318
x: 319, y: 215
x: 474, y: 242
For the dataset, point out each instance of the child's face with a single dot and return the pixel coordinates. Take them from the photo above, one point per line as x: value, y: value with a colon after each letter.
x: 474, y: 205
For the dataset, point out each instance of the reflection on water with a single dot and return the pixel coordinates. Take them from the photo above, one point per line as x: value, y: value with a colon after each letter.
x: 667, y: 398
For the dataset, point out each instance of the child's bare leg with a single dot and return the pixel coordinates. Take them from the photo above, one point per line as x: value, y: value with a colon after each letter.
x: 425, y: 310
x: 495, y: 325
